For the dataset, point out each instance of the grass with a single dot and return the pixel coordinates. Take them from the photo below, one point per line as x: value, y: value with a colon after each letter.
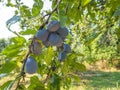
x: 99, y: 80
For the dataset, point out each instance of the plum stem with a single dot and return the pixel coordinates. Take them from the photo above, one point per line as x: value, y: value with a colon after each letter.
x: 50, y: 14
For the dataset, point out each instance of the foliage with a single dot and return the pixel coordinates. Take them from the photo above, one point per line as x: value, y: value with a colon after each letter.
x: 94, y: 35
x: 3, y: 44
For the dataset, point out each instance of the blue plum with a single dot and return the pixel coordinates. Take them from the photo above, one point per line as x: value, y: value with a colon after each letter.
x: 62, y: 56
x: 42, y: 35
x: 31, y: 65
x: 55, y: 40
x: 62, y: 32
x: 36, y: 48
x: 53, y: 26
x: 66, y: 48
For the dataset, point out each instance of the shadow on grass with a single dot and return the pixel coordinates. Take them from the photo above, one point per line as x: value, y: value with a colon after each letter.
x: 99, y: 80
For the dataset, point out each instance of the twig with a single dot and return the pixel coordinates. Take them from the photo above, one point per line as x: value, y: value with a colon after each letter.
x: 55, y: 8
x: 47, y: 77
x: 22, y: 70
x: 49, y: 70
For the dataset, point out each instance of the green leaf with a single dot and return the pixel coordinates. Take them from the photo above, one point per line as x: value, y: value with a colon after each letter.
x: 28, y: 32
x: 4, y: 86
x: 21, y: 87
x: 8, y: 67
x: 10, y: 85
x: 11, y: 50
x: 18, y: 40
x: 71, y: 57
x: 92, y: 37
x: 49, y: 55
x: 76, y: 78
x: 85, y: 2
x: 35, y: 84
x: 78, y: 66
x: 7, y: 86
x: 62, y: 17
x: 25, y: 11
x: 67, y: 81
x: 37, y: 6
x: 118, y: 32
x: 117, y: 12
x: 55, y: 82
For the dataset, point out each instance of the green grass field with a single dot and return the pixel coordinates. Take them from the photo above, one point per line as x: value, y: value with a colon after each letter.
x: 99, y: 80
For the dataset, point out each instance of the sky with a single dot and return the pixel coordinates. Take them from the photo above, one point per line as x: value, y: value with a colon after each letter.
x: 7, y: 12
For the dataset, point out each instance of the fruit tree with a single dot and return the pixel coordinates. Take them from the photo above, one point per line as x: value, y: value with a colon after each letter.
x: 60, y: 40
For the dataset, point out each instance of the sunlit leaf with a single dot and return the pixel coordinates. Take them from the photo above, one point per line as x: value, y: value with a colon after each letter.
x: 35, y: 84
x: 49, y: 55
x: 62, y: 17
x: 25, y: 11
x: 85, y: 2
x: 92, y: 37
x: 8, y: 85
x: 78, y: 66
x: 11, y: 50
x: 18, y: 40
x: 28, y: 32
x: 21, y: 87
x: 37, y: 6
x: 8, y: 67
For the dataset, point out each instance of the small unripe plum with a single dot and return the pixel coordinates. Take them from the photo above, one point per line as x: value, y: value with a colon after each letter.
x: 42, y: 35
x: 67, y: 48
x: 62, y: 56
x: 63, y: 32
x: 55, y: 40
x: 31, y: 65
x: 36, y: 48
x: 53, y: 26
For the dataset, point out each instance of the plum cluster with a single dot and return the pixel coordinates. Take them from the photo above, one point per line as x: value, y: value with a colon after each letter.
x: 54, y: 35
